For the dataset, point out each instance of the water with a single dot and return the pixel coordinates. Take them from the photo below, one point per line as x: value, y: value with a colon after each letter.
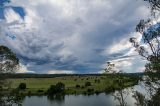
x: 81, y: 100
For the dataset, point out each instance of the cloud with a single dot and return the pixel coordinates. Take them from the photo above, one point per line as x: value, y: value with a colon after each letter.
x: 60, y: 72
x: 23, y: 69
x: 71, y: 35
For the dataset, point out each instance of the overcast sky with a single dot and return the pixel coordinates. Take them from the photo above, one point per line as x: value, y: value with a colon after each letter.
x: 72, y: 36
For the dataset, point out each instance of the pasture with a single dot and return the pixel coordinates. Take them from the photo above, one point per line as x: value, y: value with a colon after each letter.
x: 74, y: 84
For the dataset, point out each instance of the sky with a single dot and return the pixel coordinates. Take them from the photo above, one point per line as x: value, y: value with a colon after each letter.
x: 72, y: 36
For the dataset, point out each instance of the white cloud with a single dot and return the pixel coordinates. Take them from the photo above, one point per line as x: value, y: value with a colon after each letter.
x: 60, y: 72
x: 124, y: 45
x: 11, y: 15
x: 72, y: 33
x: 23, y: 69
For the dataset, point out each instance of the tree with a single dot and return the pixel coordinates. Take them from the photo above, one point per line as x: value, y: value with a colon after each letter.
x: 22, y: 86
x: 151, y: 38
x: 150, y: 31
x: 149, y: 48
x: 8, y: 64
x: 110, y: 68
x: 155, y: 99
x: 8, y: 60
x: 154, y: 4
x: 140, y: 99
x: 87, y: 84
x: 56, y: 89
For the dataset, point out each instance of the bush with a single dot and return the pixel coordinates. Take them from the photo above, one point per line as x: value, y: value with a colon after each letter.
x: 97, y: 92
x: 22, y: 86
x: 97, y: 81
x: 40, y: 90
x: 58, y: 88
x: 88, y: 84
x: 110, y: 89
x: 77, y: 86
x: 82, y: 87
x: 90, y: 90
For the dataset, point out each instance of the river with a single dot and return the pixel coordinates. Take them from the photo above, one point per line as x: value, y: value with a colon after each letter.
x: 101, y: 99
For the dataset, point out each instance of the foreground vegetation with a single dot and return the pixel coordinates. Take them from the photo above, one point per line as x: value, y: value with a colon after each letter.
x: 74, y: 84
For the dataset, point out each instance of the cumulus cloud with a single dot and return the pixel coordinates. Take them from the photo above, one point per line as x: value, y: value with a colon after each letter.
x: 78, y: 35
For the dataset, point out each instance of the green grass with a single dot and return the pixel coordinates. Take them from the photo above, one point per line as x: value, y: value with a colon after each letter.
x: 106, y: 82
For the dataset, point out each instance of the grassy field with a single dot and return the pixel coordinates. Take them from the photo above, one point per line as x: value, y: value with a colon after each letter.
x: 98, y: 83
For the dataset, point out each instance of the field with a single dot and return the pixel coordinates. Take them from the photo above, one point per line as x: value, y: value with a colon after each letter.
x: 73, y: 84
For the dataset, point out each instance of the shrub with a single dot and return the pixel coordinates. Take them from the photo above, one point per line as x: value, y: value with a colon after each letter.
x: 82, y: 87
x: 77, y: 86
x: 88, y: 84
x: 22, y: 86
x: 95, y: 80
x: 98, y: 81
x: 58, y: 88
x: 1, y: 88
x: 40, y: 90
x: 110, y: 89
x: 90, y: 90
x: 97, y: 92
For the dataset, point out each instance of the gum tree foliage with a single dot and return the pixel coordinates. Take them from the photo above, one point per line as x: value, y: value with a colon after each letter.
x: 140, y: 99
x: 151, y: 36
x: 120, y: 95
x: 22, y: 86
x: 154, y: 4
x: 56, y: 89
x: 110, y: 68
x: 8, y: 60
x: 150, y: 31
x: 8, y: 64
x: 149, y: 48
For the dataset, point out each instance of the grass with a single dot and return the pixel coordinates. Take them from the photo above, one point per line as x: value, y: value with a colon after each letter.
x: 107, y: 83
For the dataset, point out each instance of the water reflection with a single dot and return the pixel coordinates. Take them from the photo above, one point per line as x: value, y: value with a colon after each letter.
x: 58, y: 99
